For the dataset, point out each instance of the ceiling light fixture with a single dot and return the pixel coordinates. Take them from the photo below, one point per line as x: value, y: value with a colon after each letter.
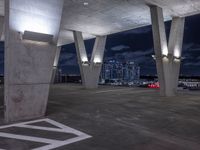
x: 85, y: 3
x: 40, y: 37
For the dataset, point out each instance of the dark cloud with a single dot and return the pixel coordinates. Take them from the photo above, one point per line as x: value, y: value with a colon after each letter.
x: 67, y: 56
x: 192, y: 64
x: 120, y: 48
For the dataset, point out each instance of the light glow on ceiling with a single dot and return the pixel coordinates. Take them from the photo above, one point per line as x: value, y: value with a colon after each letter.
x: 28, y: 22
x: 35, y: 16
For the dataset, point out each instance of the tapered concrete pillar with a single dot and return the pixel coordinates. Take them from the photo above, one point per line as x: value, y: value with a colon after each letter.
x: 175, y: 48
x: 28, y: 63
x: 160, y: 44
x: 167, y: 56
x: 90, y: 70
x: 55, y: 65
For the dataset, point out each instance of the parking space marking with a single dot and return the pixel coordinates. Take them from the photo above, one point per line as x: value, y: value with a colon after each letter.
x: 51, y: 143
x: 126, y: 90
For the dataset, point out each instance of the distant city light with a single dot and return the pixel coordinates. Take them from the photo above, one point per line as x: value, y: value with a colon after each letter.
x: 120, y: 72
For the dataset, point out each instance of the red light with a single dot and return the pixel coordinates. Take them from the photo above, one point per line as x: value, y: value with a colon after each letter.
x: 154, y: 85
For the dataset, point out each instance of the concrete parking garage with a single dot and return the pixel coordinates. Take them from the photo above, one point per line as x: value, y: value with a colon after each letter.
x: 106, y: 118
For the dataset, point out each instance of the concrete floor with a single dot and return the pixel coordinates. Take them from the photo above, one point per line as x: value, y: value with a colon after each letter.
x: 121, y: 118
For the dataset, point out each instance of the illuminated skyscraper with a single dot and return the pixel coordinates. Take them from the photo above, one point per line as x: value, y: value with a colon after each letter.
x: 125, y: 72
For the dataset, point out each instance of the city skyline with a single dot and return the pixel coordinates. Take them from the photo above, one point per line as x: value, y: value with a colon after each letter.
x: 125, y: 72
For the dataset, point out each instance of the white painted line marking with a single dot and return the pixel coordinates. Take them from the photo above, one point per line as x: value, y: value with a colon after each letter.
x: 22, y: 123
x: 27, y: 138
x: 51, y: 143
x: 67, y: 142
x: 42, y: 128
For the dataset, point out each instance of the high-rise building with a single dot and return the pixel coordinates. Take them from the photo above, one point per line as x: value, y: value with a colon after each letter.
x: 58, y: 76
x: 126, y: 72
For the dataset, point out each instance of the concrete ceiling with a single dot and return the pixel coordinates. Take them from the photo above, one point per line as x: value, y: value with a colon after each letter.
x: 1, y: 7
x: 103, y: 17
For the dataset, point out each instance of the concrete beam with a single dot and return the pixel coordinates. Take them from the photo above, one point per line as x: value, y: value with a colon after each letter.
x: 90, y: 69
x: 167, y: 56
x: 28, y: 64
x: 55, y: 64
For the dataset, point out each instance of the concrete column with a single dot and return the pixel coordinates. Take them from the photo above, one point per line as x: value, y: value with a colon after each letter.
x: 175, y: 48
x: 160, y: 44
x: 167, y: 56
x: 90, y: 70
x: 28, y: 63
x: 55, y: 64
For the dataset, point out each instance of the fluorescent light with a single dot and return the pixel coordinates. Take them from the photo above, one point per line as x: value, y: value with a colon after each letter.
x: 165, y: 50
x: 84, y: 59
x: 97, y: 60
x: 85, y: 3
x: 40, y: 37
x: 177, y: 53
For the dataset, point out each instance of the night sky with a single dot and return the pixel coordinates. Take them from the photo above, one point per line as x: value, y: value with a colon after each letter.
x: 136, y: 45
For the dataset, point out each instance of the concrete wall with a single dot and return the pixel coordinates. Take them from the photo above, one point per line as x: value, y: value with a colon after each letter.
x: 28, y: 64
